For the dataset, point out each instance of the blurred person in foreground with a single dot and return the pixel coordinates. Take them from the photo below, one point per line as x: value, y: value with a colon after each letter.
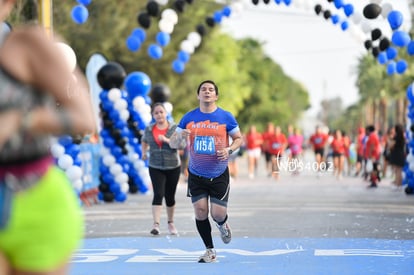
x: 41, y: 223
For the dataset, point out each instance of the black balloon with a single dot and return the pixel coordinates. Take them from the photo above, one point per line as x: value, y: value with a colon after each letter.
x: 327, y: 14
x: 133, y: 188
x: 255, y: 2
x: 368, y: 44
x: 179, y: 5
x: 318, y: 9
x: 160, y: 93
x: 103, y: 187
x: 210, y: 22
x: 111, y: 75
x: 152, y: 8
x: 375, y: 51
x: 372, y: 11
x: 384, y: 44
x: 376, y: 34
x: 144, y: 20
x: 189, y: 1
x: 409, y: 190
x: 201, y: 29
x: 266, y: 1
x: 108, y: 197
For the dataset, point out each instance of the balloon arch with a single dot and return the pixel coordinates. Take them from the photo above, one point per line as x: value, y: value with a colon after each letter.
x: 123, y: 114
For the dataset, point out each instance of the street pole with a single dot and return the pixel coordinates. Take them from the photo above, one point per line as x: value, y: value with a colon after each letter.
x: 46, y: 15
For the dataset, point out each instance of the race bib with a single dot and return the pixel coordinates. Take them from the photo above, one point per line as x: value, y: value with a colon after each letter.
x: 204, y: 145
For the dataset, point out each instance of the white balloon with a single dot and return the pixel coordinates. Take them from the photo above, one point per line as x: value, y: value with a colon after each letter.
x: 65, y: 161
x: 187, y: 46
x: 114, y: 94
x: 366, y: 27
x: 168, y: 107
x: 195, y: 38
x: 69, y: 54
x: 124, y: 187
x: 385, y: 9
x: 108, y: 160
x: 121, y: 177
x: 115, y: 169
x: 77, y: 185
x: 356, y: 17
x: 145, y: 109
x: 411, y: 166
x: 170, y: 15
x: 74, y: 173
x: 138, y: 102
x: 166, y: 26
x: 120, y: 104
x: 57, y: 150
x: 124, y: 114
x: 162, y: 2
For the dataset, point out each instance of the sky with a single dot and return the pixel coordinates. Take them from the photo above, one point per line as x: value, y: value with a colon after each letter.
x: 310, y: 49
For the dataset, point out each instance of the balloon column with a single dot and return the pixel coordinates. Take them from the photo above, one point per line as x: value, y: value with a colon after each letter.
x: 66, y: 154
x: 121, y: 149
x: 80, y: 12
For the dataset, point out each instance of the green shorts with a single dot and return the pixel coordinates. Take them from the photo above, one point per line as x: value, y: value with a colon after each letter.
x: 46, y: 225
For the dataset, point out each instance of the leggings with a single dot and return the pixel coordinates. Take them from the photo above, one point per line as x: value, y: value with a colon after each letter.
x: 164, y: 184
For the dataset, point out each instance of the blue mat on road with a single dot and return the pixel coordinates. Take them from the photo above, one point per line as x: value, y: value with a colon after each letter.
x: 179, y: 255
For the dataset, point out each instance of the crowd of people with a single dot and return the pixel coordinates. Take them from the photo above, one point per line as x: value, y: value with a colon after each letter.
x: 368, y: 153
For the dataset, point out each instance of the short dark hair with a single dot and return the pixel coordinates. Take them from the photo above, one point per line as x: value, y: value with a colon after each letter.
x: 208, y: 81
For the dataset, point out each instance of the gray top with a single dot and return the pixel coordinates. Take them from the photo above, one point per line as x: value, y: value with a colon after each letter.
x: 163, y: 158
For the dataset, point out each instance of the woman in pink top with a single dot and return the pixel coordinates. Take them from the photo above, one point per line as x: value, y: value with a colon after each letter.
x: 295, y: 142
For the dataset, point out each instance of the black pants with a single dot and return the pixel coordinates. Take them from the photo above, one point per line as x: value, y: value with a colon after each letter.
x: 164, y: 184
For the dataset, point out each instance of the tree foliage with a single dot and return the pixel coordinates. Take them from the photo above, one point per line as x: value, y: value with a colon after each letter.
x: 252, y: 86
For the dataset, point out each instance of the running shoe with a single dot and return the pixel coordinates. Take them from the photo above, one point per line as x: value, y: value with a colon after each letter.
x: 208, y: 257
x: 172, y: 229
x: 155, y: 229
x: 225, y: 232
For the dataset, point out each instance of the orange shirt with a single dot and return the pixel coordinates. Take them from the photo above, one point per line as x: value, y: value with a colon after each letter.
x: 253, y: 140
x: 318, y: 141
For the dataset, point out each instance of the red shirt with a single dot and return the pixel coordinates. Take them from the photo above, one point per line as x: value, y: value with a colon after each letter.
x: 338, y: 146
x: 253, y: 140
x: 360, y: 144
x: 372, y: 147
x: 318, y: 140
x: 277, y: 144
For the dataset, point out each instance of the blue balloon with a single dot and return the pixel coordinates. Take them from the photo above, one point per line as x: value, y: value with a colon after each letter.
x: 137, y: 84
x: 84, y: 2
x: 155, y: 51
x: 65, y: 140
x: 391, y: 68
x: 178, y: 66
x: 391, y: 53
x: 344, y: 25
x: 348, y: 9
x: 410, y: 94
x: 382, y: 58
x: 287, y: 2
x: 278, y: 1
x: 120, y: 197
x: 163, y: 38
x: 335, y: 19
x: 80, y: 14
x: 133, y: 43
x: 410, y: 48
x: 140, y: 33
x: 227, y: 11
x: 400, y: 38
x: 217, y: 16
x: 401, y: 66
x: 183, y: 56
x: 339, y: 4
x: 395, y: 19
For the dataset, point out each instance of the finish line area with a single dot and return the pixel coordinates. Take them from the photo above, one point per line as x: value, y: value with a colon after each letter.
x: 178, y: 255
